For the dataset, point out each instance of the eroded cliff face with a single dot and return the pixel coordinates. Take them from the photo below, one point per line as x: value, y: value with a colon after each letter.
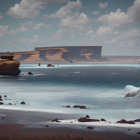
x: 9, y: 67
x: 68, y: 54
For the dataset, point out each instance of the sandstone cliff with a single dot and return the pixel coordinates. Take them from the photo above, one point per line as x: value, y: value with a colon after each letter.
x: 8, y: 66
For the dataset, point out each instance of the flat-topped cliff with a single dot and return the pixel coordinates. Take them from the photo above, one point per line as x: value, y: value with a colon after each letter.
x: 64, y: 54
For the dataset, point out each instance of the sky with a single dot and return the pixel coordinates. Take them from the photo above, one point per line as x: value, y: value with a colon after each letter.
x: 112, y: 24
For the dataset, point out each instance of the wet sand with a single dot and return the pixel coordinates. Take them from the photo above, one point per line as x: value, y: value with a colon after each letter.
x: 29, y: 125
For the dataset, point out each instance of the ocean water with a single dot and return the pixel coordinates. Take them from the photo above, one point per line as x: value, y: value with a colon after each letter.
x: 100, y: 87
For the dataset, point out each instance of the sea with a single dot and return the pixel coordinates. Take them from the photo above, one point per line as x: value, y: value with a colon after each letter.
x: 99, y: 87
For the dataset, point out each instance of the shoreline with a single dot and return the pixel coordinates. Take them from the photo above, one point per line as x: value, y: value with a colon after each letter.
x: 30, y: 124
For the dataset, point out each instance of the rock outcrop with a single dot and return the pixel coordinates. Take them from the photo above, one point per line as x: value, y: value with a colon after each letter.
x: 9, y: 66
x: 133, y: 94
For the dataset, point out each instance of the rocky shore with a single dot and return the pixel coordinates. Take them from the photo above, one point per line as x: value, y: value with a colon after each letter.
x: 29, y: 125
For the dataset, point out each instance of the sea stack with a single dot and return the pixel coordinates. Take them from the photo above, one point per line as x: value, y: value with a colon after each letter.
x: 9, y: 66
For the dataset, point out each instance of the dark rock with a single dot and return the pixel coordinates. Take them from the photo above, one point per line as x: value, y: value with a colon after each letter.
x: 84, y: 119
x: 78, y: 106
x: 3, y: 118
x: 5, y: 96
x: 87, y: 116
x: 55, y: 120
x: 82, y: 107
x: 30, y: 73
x: 90, y: 127
x: 137, y: 120
x: 138, y: 133
x: 1, y: 99
x: 129, y: 129
x: 68, y: 106
x: 1, y: 103
x: 9, y: 66
x: 124, y: 121
x: 23, y: 103
x: 50, y: 65
x: 0, y: 96
x: 9, y: 103
x: 103, y: 120
x: 132, y: 94
x: 47, y: 125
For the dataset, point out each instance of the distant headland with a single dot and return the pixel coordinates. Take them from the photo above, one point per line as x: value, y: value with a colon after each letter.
x: 69, y: 54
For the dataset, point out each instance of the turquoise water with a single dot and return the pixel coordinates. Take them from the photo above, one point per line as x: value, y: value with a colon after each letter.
x: 100, y: 87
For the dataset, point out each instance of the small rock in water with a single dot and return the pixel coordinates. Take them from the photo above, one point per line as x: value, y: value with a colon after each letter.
x: 124, y: 121
x: 138, y: 133
x: 84, y: 119
x: 68, y: 106
x: 1, y: 99
x: 90, y: 127
x: 0, y: 96
x: 103, y: 120
x: 79, y: 106
x: 47, y: 125
x: 87, y: 116
x: 5, y: 96
x: 30, y: 73
x: 55, y: 120
x: 1, y: 103
x: 3, y: 118
x: 23, y: 103
x: 137, y: 120
x: 9, y: 103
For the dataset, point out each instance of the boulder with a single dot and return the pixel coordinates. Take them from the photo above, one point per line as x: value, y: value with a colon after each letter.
x: 132, y: 94
x: 137, y: 120
x: 30, y: 73
x: 126, y: 122
x: 103, y: 120
x: 84, y: 119
x: 9, y: 66
x: 55, y: 120
x: 79, y: 106
x: 50, y: 65
x: 138, y: 133
x: 23, y: 103
x: 1, y: 103
x: 68, y: 106
x: 90, y: 127
x: 87, y: 116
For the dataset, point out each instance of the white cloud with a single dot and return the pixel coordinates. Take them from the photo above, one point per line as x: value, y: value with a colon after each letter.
x: 71, y: 19
x: 21, y: 28
x: 3, y: 30
x: 29, y: 8
x: 34, y: 39
x: 68, y: 9
x: 103, y: 5
x: 39, y: 26
x: 95, y: 12
x: 134, y: 11
x: 115, y: 18
x: 1, y: 17
x: 104, y: 30
x: 119, y: 17
x: 77, y: 21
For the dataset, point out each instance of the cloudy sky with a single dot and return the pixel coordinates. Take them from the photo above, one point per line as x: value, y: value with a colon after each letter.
x: 113, y: 24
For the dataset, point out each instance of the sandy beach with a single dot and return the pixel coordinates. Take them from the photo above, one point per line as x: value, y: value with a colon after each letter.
x: 27, y: 125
